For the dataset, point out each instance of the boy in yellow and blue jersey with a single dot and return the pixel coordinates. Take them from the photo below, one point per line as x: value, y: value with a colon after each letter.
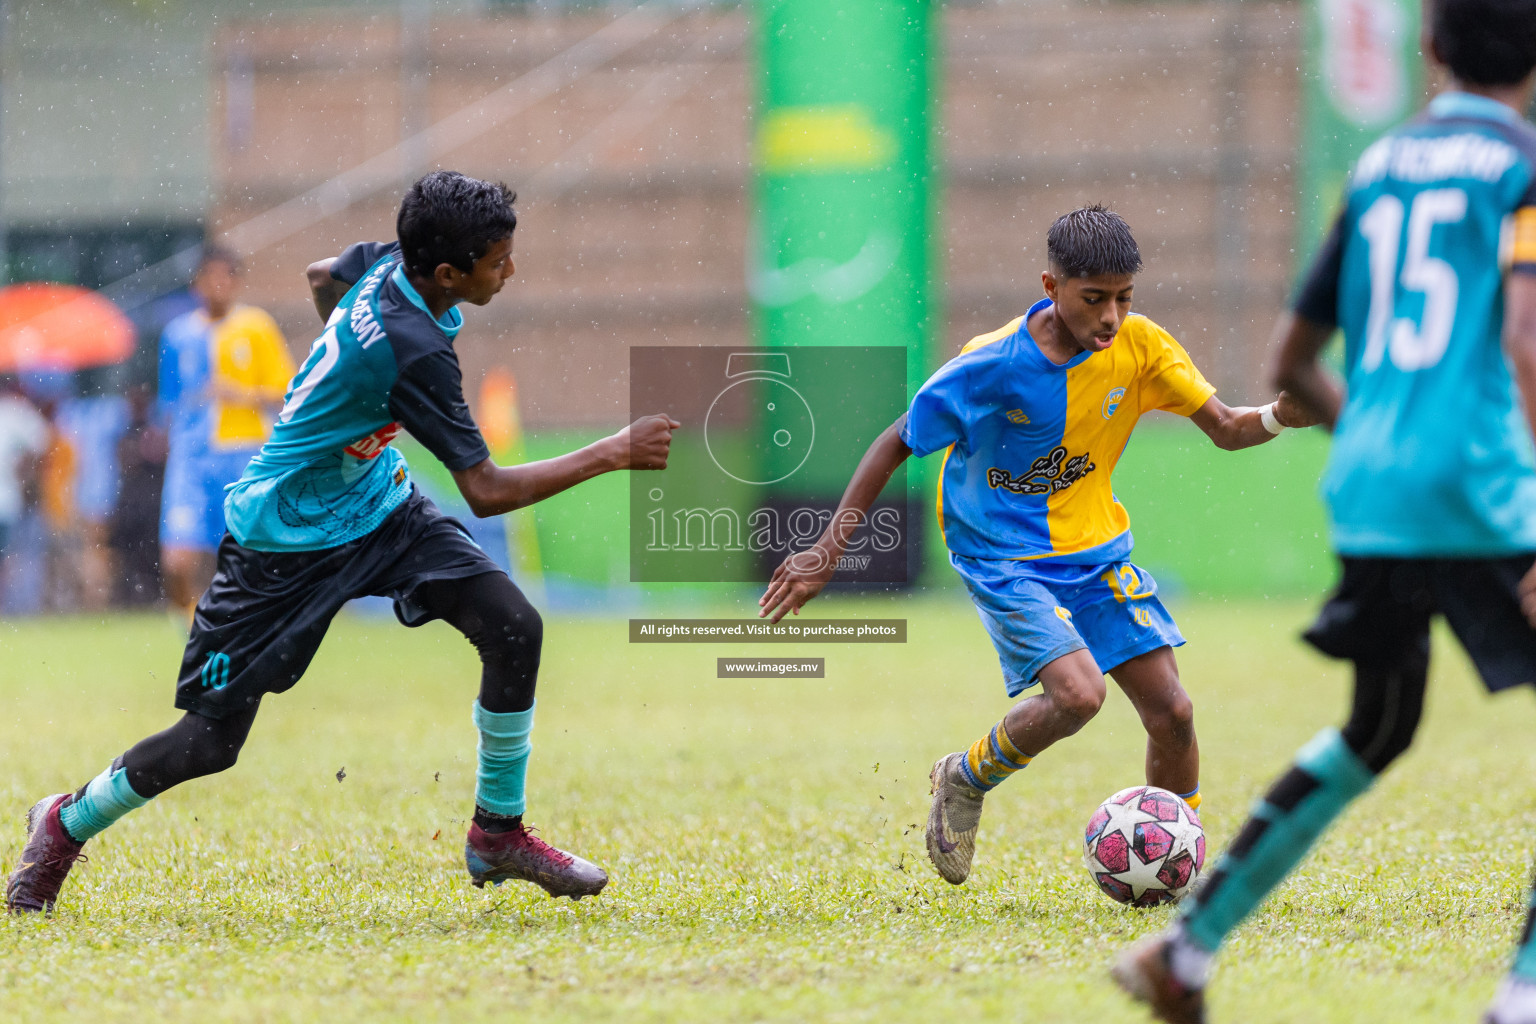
x: 224, y: 369
x: 1430, y: 273
x: 1032, y: 419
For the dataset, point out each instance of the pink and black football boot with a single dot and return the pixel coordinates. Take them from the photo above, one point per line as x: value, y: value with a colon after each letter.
x: 517, y: 853
x: 49, y: 853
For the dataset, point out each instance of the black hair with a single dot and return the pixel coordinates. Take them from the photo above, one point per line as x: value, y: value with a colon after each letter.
x: 1485, y: 42
x: 1091, y: 241
x: 213, y: 252
x: 448, y: 217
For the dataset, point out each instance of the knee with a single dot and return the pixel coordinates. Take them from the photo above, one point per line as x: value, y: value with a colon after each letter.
x: 1172, y: 720
x: 1078, y: 699
x: 515, y: 630
x: 218, y: 755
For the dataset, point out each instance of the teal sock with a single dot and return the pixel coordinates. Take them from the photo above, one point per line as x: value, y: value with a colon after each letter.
x: 106, y: 798
x: 1284, y: 825
x: 503, y: 760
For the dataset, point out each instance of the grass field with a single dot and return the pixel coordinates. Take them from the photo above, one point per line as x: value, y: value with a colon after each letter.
x: 763, y: 837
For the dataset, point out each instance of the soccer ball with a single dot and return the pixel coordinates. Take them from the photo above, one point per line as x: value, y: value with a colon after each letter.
x: 1144, y: 846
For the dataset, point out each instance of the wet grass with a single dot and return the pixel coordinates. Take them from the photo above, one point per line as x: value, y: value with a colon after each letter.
x: 763, y: 838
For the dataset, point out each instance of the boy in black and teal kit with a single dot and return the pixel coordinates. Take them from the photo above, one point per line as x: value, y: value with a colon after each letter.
x: 326, y: 512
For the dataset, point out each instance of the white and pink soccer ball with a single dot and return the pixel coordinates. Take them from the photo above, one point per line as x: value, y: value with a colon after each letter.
x: 1144, y: 846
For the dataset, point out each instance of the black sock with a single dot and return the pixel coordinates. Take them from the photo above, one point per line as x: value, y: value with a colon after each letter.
x: 493, y: 823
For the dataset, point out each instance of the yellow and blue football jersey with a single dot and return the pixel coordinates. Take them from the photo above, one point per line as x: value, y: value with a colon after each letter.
x: 249, y: 353
x: 201, y: 360
x: 1031, y: 445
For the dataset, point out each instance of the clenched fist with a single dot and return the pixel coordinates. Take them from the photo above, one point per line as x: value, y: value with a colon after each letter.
x: 646, y: 442
x: 1292, y: 413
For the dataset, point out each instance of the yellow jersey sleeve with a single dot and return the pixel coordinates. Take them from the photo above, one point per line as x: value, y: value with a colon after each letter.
x: 1170, y: 382
x: 249, y: 356
x: 1522, y: 255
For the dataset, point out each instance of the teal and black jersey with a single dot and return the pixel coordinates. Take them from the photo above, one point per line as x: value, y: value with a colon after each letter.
x: 1432, y: 455
x: 328, y: 475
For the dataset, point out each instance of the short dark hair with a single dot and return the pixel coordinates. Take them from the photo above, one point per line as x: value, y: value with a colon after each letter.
x: 1485, y: 42
x: 448, y: 217
x: 1091, y: 241
x: 213, y: 252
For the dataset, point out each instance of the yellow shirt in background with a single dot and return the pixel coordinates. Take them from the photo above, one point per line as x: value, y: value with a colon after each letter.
x: 247, y: 354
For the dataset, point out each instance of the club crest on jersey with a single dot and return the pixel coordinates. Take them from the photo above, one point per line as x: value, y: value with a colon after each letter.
x: 1049, y: 474
x: 370, y: 446
x: 1112, y: 401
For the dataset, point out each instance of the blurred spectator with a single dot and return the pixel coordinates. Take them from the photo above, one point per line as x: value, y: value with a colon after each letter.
x: 94, y: 426
x: 223, y: 372
x: 135, y: 530
x: 56, y: 504
x: 23, y: 439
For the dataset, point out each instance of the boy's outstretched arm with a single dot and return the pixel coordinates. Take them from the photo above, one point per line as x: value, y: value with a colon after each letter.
x: 1243, y: 427
x: 491, y: 490
x: 326, y: 289
x: 801, y: 576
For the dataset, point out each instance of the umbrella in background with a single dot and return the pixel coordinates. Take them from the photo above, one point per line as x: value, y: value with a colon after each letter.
x: 60, y: 327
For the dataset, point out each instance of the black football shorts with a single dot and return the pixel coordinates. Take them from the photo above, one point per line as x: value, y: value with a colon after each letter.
x: 263, y: 617
x: 1383, y: 606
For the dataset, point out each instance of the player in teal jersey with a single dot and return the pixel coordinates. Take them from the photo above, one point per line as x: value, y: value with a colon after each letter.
x: 1431, y: 485
x: 326, y: 512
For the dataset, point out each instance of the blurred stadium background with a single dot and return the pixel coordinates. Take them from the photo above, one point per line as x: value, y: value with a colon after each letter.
x: 638, y: 137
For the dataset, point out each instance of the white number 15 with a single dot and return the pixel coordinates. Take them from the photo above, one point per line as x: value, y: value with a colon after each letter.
x: 1411, y: 346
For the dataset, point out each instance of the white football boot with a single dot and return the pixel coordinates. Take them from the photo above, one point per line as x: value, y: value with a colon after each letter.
x: 952, y: 819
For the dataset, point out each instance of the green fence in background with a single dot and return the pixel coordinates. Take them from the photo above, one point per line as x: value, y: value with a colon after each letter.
x: 1363, y: 74
x: 1207, y: 522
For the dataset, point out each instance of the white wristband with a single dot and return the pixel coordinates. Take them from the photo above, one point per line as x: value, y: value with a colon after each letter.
x: 1267, y: 417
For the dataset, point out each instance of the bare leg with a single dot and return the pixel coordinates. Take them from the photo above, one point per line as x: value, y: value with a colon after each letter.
x: 1072, y: 691
x: 1151, y: 681
x: 96, y: 565
x: 188, y: 571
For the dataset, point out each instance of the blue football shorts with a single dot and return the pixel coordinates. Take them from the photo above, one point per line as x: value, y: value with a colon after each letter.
x: 192, y: 504
x: 1037, y: 613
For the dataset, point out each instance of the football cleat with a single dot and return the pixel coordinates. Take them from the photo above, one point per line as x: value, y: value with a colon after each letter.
x: 952, y: 819
x: 517, y: 853
x: 1145, y: 973
x: 45, y: 860
x: 1514, y: 1003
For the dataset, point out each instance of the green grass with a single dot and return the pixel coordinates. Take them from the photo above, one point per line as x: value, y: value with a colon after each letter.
x: 763, y: 838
